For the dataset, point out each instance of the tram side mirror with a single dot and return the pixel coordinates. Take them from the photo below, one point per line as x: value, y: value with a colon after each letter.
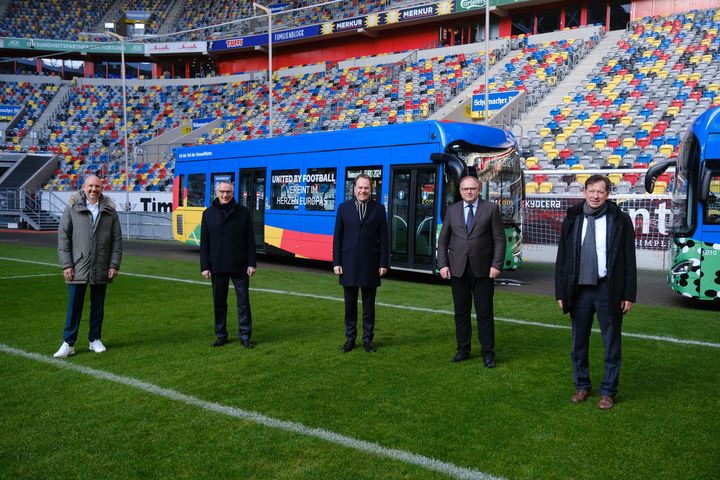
x: 654, y: 171
x: 453, y: 165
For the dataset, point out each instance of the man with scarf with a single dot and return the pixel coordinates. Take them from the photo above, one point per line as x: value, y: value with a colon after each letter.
x: 227, y: 252
x: 595, y: 273
x: 360, y: 258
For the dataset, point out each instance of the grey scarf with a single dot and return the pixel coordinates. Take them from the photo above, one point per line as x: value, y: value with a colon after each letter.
x: 588, y: 274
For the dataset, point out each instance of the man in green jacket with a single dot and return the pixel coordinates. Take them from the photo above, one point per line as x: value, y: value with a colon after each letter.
x: 90, y: 250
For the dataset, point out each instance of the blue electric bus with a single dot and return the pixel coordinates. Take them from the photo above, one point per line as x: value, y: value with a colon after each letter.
x: 694, y: 269
x: 293, y: 185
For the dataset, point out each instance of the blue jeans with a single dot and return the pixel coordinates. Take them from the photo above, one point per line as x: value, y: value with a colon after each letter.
x: 75, y: 308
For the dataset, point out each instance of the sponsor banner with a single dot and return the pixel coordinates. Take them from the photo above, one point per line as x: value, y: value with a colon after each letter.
x: 199, y: 122
x: 72, y: 46
x: 156, y: 202
x: 137, y: 16
x: 418, y: 12
x: 346, y: 25
x: 496, y: 100
x: 543, y: 216
x: 175, y: 47
x: 278, y: 7
x: 8, y: 112
x: 262, y: 39
x: 238, y: 42
x: 467, y: 5
x: 296, y: 33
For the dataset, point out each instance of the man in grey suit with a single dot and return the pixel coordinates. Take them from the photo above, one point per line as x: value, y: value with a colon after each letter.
x: 471, y: 249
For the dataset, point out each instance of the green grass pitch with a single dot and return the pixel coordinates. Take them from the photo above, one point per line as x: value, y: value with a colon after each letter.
x: 513, y: 422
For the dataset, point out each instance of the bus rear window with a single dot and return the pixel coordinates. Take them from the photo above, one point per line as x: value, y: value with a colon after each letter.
x: 196, y: 190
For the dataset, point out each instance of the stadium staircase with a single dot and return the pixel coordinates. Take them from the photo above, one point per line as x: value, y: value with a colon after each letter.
x: 4, y: 4
x: 16, y: 186
x: 112, y: 15
x: 58, y: 102
x: 463, y: 97
x: 576, y: 78
x: 173, y: 16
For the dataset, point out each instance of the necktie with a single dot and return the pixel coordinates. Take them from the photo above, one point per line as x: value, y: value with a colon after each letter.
x: 361, y: 208
x: 469, y: 219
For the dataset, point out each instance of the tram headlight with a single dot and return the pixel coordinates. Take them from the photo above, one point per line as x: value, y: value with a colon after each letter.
x: 682, y: 268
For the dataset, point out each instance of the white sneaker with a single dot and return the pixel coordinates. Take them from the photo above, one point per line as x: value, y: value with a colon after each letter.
x: 64, y: 351
x: 97, y: 346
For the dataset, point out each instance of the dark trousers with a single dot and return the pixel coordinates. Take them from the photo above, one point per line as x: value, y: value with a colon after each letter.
x: 351, y: 312
x: 465, y: 289
x: 593, y: 300
x: 75, y: 308
x: 220, y: 284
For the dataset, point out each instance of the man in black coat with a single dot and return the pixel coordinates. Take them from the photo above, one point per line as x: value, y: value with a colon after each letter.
x: 227, y: 252
x: 360, y: 258
x: 595, y: 273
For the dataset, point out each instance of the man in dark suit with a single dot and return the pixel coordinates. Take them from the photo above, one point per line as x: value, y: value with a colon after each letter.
x: 227, y: 252
x: 595, y: 273
x: 360, y: 258
x: 471, y: 250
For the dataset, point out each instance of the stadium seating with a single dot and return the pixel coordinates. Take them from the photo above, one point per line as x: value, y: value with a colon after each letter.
x: 635, y: 105
x: 55, y: 19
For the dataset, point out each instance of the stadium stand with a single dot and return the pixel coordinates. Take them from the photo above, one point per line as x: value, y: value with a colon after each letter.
x: 33, y: 97
x: 52, y: 19
x: 635, y: 105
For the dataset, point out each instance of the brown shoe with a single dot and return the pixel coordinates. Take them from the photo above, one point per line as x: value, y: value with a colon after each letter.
x: 606, y: 403
x: 580, y: 396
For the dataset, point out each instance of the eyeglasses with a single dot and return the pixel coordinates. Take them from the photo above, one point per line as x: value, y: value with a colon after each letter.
x: 468, y: 189
x: 224, y: 192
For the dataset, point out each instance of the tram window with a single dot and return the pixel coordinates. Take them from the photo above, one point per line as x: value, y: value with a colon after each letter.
x: 374, y: 172
x: 285, y: 189
x: 196, y: 190
x: 684, y: 194
x: 220, y: 177
x: 320, y: 189
x: 712, y: 207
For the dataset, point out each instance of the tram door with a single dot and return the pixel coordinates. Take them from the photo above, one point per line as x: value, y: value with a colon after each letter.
x: 251, y: 194
x: 412, y: 218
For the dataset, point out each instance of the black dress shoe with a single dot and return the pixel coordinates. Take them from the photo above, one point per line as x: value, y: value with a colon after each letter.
x: 460, y: 357
x: 219, y: 342
x: 246, y: 344
x: 348, y: 346
x: 369, y: 347
x: 489, y: 362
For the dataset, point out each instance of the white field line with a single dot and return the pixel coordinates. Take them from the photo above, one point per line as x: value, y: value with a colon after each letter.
x: 14, y: 277
x: 643, y: 336
x: 422, y: 461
